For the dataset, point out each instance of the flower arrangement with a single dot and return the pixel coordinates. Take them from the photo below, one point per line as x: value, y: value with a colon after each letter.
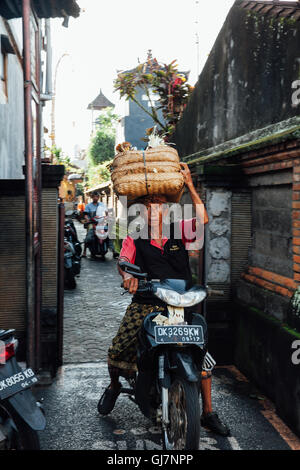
x: 164, y: 80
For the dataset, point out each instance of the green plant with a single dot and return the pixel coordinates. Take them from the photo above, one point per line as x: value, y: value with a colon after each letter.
x: 102, y: 146
x: 164, y: 80
x: 59, y: 158
x: 80, y: 189
x: 97, y: 174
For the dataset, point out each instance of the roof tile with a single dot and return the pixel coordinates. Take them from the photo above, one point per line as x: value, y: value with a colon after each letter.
x: 277, y: 8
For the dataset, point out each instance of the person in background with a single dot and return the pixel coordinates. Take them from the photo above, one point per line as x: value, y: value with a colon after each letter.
x: 81, y: 205
x: 90, y: 211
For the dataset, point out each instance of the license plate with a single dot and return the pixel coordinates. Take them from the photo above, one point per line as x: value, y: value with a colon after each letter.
x: 189, y: 334
x: 16, y: 383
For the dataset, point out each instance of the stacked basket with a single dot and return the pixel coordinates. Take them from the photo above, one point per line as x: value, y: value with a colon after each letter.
x: 153, y: 171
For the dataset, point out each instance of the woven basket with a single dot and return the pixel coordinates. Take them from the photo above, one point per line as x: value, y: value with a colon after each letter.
x: 161, y: 174
x: 133, y: 186
x: 163, y: 153
x: 139, y: 168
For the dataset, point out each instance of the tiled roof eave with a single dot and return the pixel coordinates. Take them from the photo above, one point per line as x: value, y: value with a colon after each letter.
x: 276, y: 9
x: 10, y: 9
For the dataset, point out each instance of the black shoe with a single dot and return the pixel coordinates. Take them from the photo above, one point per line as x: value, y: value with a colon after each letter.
x: 108, y: 400
x: 214, y: 424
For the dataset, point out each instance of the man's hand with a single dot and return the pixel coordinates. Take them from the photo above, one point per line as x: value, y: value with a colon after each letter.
x: 131, y: 284
x: 186, y: 175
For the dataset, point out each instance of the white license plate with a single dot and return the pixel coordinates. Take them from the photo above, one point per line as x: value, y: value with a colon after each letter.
x: 189, y: 334
x: 16, y: 383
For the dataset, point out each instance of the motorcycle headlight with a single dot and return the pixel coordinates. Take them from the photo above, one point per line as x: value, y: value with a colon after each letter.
x: 180, y: 300
x: 169, y: 296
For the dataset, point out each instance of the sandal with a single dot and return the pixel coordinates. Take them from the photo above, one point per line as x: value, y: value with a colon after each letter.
x: 108, y: 400
x: 212, y: 422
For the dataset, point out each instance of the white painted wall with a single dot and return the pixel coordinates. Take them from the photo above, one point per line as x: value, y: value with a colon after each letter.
x: 12, y: 120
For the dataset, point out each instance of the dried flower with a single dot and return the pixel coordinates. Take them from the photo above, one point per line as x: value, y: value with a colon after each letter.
x: 123, y: 147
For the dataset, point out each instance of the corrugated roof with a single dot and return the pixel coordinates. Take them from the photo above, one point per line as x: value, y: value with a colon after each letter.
x: 44, y: 8
x: 277, y: 9
x: 101, y: 102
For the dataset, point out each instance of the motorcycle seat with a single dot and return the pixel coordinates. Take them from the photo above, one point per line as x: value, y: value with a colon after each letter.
x: 6, y: 333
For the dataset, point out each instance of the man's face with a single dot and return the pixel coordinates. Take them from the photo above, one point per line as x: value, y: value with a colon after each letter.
x: 95, y: 199
x: 156, y: 213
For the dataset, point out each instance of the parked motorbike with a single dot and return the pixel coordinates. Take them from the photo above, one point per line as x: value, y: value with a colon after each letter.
x: 70, y: 229
x: 72, y: 252
x: 20, y: 414
x: 172, y: 350
x: 97, y: 237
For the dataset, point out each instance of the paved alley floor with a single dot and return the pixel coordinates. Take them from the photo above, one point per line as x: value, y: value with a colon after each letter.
x: 73, y: 422
x: 93, y: 311
x: 92, y: 315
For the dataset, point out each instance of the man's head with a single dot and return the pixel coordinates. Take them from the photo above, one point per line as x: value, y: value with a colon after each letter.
x: 95, y: 197
x: 157, y: 208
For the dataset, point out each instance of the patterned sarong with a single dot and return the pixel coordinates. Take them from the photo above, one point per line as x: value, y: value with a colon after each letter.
x: 122, y: 352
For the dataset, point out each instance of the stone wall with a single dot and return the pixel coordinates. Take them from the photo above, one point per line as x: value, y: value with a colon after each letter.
x: 218, y: 234
x: 264, y: 353
x: 272, y: 229
x: 242, y: 87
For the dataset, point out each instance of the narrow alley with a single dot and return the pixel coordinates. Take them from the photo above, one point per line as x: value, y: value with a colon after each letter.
x: 93, y: 312
x: 184, y: 145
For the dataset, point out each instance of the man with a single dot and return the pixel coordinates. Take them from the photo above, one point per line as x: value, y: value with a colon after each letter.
x: 90, y: 211
x: 161, y: 257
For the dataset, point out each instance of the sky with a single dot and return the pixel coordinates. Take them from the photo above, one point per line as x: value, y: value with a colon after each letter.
x: 113, y: 35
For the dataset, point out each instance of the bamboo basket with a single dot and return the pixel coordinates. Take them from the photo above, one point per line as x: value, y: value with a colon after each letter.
x: 163, y: 153
x: 159, y: 173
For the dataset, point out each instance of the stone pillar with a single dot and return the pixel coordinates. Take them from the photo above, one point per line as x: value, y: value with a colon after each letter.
x: 218, y: 234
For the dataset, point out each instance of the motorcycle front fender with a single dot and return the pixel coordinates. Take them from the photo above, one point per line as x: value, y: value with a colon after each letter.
x: 186, y: 368
x: 25, y: 405
x: 23, y: 402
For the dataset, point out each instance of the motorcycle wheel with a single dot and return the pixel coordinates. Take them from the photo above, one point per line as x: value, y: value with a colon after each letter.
x: 21, y: 438
x: 183, y: 431
x: 92, y: 251
x: 70, y: 282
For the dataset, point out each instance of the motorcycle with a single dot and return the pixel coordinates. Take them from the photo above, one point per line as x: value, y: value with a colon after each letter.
x: 172, y: 352
x: 72, y: 253
x: 97, y: 237
x: 21, y: 416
